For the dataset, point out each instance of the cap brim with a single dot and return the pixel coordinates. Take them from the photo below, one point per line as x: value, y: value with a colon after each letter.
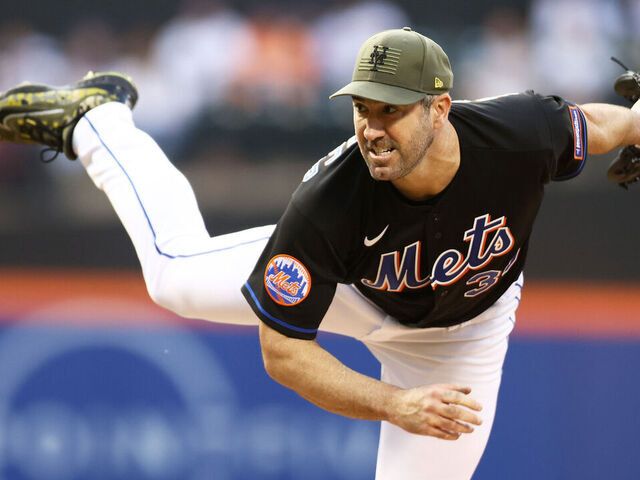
x: 380, y: 92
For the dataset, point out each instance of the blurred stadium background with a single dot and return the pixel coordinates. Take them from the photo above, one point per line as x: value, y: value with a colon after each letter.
x: 97, y: 382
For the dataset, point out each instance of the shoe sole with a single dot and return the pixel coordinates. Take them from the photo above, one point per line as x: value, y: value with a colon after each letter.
x: 105, y: 81
x: 44, y: 114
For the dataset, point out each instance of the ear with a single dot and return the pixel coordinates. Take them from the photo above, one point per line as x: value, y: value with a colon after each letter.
x: 439, y: 110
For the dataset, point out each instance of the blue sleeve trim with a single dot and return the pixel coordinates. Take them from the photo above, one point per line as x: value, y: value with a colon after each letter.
x: 274, y: 319
x: 144, y: 210
x: 582, y: 146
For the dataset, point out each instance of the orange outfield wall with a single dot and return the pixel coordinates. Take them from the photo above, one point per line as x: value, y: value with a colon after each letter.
x: 119, y: 298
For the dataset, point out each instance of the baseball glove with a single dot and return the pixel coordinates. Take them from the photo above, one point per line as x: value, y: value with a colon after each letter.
x: 625, y: 169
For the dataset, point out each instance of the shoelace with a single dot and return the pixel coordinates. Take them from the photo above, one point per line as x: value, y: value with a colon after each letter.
x: 49, y: 154
x: 36, y: 130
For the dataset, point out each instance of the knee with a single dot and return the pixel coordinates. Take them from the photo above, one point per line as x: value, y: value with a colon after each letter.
x: 182, y: 291
x: 167, y: 289
x: 164, y: 296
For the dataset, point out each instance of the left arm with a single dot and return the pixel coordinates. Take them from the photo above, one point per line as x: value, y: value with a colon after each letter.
x: 611, y: 126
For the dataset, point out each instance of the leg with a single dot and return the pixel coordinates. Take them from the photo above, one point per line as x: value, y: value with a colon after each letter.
x: 469, y: 354
x: 184, y: 268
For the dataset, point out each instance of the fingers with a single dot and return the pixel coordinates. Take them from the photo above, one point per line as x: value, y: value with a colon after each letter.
x: 444, y: 411
x: 446, y: 429
x: 451, y: 426
x: 459, y: 414
x: 458, y: 396
x: 444, y: 435
x: 458, y: 388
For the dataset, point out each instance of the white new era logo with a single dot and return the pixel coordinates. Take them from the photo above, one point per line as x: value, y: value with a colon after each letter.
x: 373, y: 241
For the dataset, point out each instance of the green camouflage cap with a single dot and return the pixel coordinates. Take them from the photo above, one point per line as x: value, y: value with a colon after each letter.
x: 399, y: 67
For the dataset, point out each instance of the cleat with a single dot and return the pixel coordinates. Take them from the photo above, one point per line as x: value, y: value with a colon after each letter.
x: 46, y: 115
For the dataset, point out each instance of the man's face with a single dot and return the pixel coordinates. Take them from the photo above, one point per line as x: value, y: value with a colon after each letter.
x: 393, y: 139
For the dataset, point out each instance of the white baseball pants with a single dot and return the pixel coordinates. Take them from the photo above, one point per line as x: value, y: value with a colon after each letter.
x: 199, y: 276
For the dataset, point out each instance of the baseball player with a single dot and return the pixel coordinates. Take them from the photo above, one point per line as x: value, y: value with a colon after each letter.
x: 410, y: 237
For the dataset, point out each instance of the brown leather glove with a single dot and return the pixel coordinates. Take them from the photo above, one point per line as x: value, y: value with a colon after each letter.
x: 625, y: 169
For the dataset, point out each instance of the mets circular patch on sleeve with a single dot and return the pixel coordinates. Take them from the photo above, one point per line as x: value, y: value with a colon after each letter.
x: 287, y: 280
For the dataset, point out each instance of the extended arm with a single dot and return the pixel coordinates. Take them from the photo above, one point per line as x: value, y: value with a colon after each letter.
x: 316, y: 375
x: 611, y: 126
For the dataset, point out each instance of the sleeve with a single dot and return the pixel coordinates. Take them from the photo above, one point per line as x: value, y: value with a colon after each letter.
x: 568, y: 137
x: 294, y: 281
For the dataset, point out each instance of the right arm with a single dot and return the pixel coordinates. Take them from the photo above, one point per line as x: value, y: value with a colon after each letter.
x: 316, y: 375
x: 611, y: 126
x: 290, y: 290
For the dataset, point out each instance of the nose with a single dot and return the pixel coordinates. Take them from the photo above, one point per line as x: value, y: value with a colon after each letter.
x: 373, y: 129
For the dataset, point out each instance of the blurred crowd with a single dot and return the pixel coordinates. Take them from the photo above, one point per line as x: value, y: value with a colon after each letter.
x: 213, y: 69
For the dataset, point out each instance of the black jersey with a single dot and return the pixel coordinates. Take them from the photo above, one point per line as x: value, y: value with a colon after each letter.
x: 427, y: 264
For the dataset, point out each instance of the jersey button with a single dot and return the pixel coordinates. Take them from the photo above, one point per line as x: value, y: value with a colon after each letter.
x: 438, y: 235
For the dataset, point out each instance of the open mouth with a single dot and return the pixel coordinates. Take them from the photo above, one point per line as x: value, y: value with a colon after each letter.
x: 381, y: 152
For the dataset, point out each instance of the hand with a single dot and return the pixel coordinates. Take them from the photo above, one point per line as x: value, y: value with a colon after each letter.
x: 436, y: 410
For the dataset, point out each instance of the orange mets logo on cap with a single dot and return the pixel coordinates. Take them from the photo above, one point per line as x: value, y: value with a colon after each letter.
x: 287, y: 280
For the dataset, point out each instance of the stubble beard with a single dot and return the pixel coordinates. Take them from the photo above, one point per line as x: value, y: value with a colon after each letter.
x: 410, y: 156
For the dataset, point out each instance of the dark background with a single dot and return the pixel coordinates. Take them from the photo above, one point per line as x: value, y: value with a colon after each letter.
x: 50, y: 216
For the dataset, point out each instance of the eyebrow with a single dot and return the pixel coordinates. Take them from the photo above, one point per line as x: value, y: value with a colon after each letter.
x: 355, y: 98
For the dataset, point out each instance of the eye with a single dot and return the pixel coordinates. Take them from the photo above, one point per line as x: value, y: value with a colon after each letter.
x: 388, y: 109
x: 359, y: 107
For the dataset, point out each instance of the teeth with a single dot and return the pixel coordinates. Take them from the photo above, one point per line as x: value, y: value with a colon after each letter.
x: 380, y: 152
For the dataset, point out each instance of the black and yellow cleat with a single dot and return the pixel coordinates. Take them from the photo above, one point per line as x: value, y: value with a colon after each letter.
x: 36, y: 113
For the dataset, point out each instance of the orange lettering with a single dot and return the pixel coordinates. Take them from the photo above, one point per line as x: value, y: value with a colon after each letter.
x: 279, y: 278
x: 280, y: 281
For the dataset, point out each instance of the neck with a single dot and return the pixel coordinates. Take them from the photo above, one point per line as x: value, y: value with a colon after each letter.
x: 436, y: 170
